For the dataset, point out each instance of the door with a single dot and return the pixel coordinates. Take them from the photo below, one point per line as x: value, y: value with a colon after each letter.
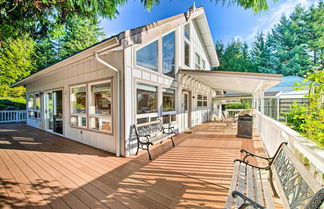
x: 54, y: 111
x: 186, y: 110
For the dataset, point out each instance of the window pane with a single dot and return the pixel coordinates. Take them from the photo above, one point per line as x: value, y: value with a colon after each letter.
x: 78, y: 121
x: 199, y: 103
x: 148, y: 56
x: 203, y: 64
x: 197, y: 61
x: 78, y: 99
x: 205, y: 104
x: 168, y: 100
x: 37, y: 101
x: 154, y: 119
x: 168, y: 51
x: 173, y: 118
x: 101, y: 99
x: 146, y: 98
x: 31, y: 101
x: 100, y: 124
x: 186, y: 54
x: 187, y: 31
x: 186, y: 102
x: 200, y: 97
x: 142, y: 120
x: 166, y: 119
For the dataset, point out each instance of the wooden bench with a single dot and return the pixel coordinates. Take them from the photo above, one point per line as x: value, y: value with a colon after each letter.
x: 284, y: 175
x: 148, y: 134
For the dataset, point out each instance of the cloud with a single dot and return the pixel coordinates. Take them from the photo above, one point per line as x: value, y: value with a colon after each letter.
x: 271, y: 17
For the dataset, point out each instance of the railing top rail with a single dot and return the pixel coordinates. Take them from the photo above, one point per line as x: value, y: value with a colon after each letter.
x: 12, y: 111
x: 302, y: 144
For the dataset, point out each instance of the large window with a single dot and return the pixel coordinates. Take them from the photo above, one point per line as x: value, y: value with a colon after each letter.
x: 100, y: 106
x: 78, y: 106
x: 147, y: 99
x: 187, y: 31
x: 147, y: 56
x: 168, y: 51
x: 34, y: 105
x: 186, y: 54
x: 201, y: 101
x: 168, y: 100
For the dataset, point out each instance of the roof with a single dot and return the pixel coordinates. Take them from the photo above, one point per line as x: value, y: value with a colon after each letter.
x: 287, y: 84
x: 125, y: 38
x: 234, y: 81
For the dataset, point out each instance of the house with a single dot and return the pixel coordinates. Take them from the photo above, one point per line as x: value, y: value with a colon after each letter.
x: 157, y: 71
x: 277, y: 100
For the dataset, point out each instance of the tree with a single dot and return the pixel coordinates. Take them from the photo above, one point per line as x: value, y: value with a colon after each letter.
x: 255, y: 5
x: 219, y: 46
x: 261, y: 55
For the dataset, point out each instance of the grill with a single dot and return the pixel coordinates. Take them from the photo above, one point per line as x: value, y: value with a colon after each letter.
x: 244, y: 126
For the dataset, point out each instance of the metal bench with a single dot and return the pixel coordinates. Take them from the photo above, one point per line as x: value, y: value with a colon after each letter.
x: 285, y: 175
x: 148, y: 134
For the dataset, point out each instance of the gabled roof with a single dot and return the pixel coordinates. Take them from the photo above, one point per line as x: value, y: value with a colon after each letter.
x: 129, y: 37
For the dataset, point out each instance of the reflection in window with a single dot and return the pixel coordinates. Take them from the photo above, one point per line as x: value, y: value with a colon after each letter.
x: 34, y: 105
x: 78, y: 98
x: 78, y: 106
x: 100, y: 107
x: 186, y: 54
x: 168, y: 100
x: 147, y: 56
x: 146, y: 98
x: 187, y: 31
x: 168, y: 51
x: 31, y: 102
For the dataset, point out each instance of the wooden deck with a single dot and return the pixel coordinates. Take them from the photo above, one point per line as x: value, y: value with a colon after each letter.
x: 42, y: 170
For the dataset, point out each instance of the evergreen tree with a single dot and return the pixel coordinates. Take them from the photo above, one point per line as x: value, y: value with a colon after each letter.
x: 220, y: 52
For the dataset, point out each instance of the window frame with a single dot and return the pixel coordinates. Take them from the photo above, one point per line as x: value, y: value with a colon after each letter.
x: 89, y: 105
x: 34, y: 109
x: 203, y: 100
x: 197, y: 55
x: 171, y: 113
x: 71, y: 106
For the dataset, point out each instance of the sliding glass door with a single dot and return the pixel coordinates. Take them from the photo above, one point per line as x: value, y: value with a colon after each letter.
x: 54, y: 111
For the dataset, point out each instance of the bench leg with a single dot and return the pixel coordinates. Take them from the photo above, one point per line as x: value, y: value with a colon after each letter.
x: 137, y: 148
x: 172, y: 141
x: 148, y: 151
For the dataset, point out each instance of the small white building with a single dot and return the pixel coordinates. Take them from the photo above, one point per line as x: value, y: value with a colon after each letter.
x: 136, y: 77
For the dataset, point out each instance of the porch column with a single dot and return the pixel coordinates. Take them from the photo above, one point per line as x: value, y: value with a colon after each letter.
x: 278, y: 107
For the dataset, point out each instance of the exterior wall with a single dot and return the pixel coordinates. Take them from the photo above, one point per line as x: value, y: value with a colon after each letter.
x: 135, y: 74
x: 81, y: 72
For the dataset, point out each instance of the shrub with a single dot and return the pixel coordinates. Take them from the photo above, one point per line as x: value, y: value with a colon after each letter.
x: 241, y: 105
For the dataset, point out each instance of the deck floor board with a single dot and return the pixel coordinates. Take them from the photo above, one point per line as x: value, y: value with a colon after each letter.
x: 42, y: 170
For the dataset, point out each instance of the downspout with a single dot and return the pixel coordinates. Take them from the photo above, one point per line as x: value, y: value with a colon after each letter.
x: 119, y: 115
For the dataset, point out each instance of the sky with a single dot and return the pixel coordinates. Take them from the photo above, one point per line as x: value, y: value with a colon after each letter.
x: 226, y: 22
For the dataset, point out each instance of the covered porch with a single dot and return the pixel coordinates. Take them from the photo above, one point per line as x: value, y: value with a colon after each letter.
x: 42, y: 170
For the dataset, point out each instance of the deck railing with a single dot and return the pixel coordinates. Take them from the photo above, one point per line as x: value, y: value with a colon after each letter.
x: 232, y: 112
x: 273, y: 133
x: 9, y: 116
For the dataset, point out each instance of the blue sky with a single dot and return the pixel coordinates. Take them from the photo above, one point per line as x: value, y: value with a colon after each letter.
x: 226, y: 23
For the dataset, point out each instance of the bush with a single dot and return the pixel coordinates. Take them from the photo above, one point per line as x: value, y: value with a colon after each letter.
x: 12, y: 103
x: 241, y: 105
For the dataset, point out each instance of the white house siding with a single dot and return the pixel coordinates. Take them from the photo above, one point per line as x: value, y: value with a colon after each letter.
x: 83, y: 71
x: 134, y: 74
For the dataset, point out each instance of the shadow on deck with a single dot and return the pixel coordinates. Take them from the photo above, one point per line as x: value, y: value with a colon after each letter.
x: 41, y: 170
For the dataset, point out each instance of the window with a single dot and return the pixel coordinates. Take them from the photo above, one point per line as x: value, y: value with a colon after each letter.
x: 100, y: 106
x: 147, y: 98
x: 167, y: 119
x: 168, y: 100
x: 34, y: 105
x: 201, y: 101
x: 78, y: 106
x: 187, y: 31
x: 147, y: 56
x: 168, y: 51
x: 186, y: 54
x: 197, y: 61
x: 203, y: 64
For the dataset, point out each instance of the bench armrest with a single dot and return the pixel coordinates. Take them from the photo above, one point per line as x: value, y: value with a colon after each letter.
x: 169, y: 128
x: 250, y: 154
x: 247, y: 201
x: 247, y: 163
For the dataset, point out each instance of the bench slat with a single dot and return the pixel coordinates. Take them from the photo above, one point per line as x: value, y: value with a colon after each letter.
x: 266, y: 190
x: 250, y: 184
x: 241, y: 184
x: 230, y: 200
x: 258, y: 189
